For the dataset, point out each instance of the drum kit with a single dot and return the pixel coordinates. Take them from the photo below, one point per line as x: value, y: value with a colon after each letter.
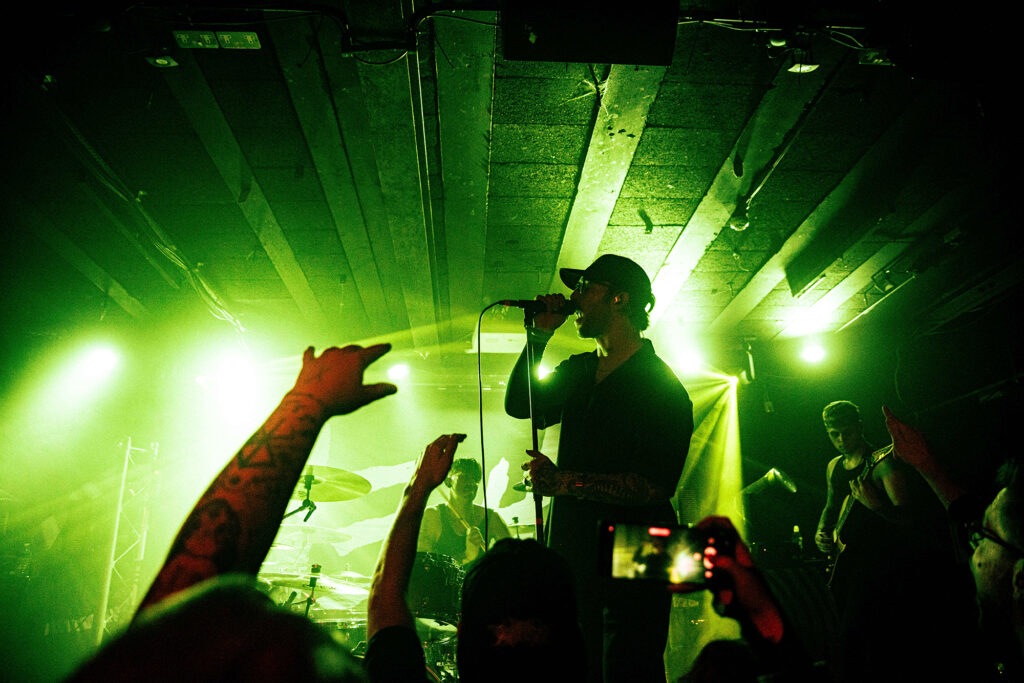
x: 337, y: 600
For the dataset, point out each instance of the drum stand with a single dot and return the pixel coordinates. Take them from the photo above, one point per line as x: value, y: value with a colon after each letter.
x: 314, y: 574
x: 307, y: 503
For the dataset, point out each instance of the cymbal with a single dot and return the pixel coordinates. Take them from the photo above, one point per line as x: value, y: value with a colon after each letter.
x: 302, y: 532
x: 354, y: 577
x: 435, y: 629
x: 324, y: 584
x: 281, y: 546
x: 329, y: 484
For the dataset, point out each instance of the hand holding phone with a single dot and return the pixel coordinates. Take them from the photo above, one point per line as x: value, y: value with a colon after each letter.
x: 740, y: 591
x: 675, y: 555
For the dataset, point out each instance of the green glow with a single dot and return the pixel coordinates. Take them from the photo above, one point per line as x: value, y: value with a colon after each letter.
x: 398, y: 372
x: 812, y: 352
x: 710, y: 485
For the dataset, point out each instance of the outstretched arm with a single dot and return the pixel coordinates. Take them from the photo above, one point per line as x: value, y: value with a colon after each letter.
x: 386, y: 605
x: 741, y: 592
x: 910, y: 446
x: 231, y: 527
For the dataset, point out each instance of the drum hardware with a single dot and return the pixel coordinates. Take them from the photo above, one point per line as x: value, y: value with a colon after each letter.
x: 330, y: 585
x: 521, y: 530
x: 322, y: 595
x: 329, y: 484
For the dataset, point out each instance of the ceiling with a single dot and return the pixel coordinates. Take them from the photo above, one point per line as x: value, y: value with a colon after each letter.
x: 378, y: 170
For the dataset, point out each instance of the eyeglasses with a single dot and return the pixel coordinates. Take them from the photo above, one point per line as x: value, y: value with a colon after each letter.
x: 584, y: 285
x: 980, y: 533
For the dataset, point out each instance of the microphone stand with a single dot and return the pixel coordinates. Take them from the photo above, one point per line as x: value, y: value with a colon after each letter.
x: 538, y: 503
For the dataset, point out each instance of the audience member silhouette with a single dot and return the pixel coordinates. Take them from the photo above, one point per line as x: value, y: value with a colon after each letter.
x: 770, y: 648
x: 988, y: 523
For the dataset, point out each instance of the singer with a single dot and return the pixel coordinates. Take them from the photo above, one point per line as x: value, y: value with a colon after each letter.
x: 626, y: 422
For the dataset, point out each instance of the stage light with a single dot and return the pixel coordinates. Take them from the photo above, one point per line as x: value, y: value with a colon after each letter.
x: 398, y: 371
x: 812, y: 352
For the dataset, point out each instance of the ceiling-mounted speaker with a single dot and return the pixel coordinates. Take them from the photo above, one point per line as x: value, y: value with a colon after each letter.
x: 586, y: 32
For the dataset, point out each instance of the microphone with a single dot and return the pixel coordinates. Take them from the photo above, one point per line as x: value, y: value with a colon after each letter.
x: 534, y: 306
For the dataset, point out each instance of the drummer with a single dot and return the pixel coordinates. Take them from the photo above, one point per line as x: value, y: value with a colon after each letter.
x: 456, y: 527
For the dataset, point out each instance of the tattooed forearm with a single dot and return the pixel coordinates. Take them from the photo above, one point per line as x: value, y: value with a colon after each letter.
x: 224, y: 533
x: 626, y: 488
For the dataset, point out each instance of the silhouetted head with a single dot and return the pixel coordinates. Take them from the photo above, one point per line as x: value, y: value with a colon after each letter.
x: 519, y: 620
x: 222, y: 630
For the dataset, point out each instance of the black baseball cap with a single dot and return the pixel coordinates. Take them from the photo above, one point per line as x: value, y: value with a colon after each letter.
x: 618, y: 271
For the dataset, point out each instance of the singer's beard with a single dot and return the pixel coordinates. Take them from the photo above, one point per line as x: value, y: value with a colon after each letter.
x: 592, y: 325
x: 584, y: 329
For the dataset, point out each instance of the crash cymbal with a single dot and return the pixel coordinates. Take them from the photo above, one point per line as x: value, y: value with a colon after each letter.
x: 283, y: 547
x: 354, y: 577
x: 301, y: 533
x: 329, y: 484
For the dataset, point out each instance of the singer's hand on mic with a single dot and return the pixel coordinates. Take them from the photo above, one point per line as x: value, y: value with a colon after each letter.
x: 558, y: 310
x: 543, y: 473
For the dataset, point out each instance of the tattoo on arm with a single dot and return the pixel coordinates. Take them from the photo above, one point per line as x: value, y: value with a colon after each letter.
x: 234, y: 522
x: 626, y: 488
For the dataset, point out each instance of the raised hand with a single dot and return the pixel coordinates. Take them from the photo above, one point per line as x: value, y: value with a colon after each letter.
x: 231, y: 527
x: 740, y: 591
x: 908, y: 443
x: 335, y: 377
x: 436, y: 461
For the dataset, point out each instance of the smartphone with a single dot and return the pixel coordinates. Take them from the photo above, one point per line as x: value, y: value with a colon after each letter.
x: 672, y: 554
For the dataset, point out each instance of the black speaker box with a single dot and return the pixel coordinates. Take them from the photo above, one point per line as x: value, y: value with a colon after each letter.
x: 573, y: 31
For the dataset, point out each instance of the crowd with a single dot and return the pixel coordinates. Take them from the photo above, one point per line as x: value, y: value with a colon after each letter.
x: 538, y: 609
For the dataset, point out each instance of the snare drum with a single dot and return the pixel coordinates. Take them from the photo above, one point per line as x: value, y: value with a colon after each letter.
x: 435, y: 587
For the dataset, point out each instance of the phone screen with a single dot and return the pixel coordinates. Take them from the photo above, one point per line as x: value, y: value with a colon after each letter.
x: 667, y: 554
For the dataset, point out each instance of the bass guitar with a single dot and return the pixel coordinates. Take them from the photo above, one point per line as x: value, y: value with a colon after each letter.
x: 848, y: 504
